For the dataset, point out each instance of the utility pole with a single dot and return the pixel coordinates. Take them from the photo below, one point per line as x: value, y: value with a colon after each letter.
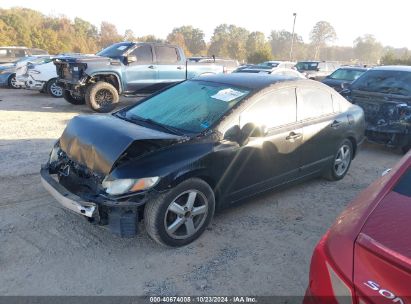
x: 292, y: 38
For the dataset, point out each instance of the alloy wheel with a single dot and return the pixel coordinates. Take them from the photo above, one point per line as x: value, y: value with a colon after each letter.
x: 13, y: 82
x: 56, y: 90
x: 342, y: 160
x: 186, y: 214
x: 104, y: 97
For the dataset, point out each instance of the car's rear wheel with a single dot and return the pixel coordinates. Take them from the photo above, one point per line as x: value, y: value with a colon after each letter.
x: 180, y: 216
x: 341, y: 162
x: 73, y: 98
x: 12, y: 82
x: 102, y: 97
x: 54, y: 89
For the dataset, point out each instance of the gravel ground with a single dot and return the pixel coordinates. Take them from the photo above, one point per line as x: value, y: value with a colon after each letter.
x: 259, y: 247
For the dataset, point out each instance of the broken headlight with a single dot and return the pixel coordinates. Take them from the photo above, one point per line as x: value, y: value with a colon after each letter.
x: 121, y: 186
x: 54, y: 154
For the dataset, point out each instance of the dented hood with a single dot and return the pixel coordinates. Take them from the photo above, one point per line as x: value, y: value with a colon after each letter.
x: 97, y: 141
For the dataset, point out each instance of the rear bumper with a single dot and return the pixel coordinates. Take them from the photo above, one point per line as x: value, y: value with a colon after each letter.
x: 121, y: 217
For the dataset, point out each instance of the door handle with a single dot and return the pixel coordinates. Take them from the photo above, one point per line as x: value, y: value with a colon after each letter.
x: 179, y: 68
x: 293, y: 136
x: 151, y: 67
x: 336, y: 124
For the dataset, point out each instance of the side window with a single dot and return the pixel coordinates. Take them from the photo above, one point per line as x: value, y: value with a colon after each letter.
x: 167, y: 54
x: 313, y: 102
x: 18, y: 53
x: 272, y: 110
x: 3, y: 53
x: 143, y: 53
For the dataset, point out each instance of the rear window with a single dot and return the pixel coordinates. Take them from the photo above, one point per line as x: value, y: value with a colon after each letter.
x: 404, y: 185
x: 387, y: 82
x: 307, y: 66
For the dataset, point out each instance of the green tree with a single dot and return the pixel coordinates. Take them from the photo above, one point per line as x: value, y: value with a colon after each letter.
x: 229, y: 41
x: 280, y: 42
x: 108, y: 34
x: 367, y: 49
x: 258, y: 49
x: 193, y: 39
x: 321, y: 34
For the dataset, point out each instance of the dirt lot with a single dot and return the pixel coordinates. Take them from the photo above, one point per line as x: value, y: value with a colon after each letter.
x: 261, y: 247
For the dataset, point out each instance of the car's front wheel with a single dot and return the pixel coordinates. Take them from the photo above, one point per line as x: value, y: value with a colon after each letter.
x: 12, y: 82
x: 54, y: 89
x: 180, y: 216
x: 341, y: 162
x: 72, y: 98
x: 102, y: 97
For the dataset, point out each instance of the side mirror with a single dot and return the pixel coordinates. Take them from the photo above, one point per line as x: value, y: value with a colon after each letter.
x: 252, y: 130
x: 131, y: 59
x: 345, y: 85
x: 233, y: 134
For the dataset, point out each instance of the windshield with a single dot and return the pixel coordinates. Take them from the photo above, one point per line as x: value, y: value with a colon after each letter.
x: 382, y: 81
x: 270, y: 64
x: 116, y: 50
x: 346, y: 74
x: 307, y: 66
x: 191, y: 106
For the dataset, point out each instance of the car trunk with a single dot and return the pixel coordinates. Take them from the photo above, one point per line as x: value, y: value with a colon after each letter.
x: 382, y: 253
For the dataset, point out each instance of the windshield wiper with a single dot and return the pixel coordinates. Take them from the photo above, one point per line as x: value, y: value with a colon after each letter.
x: 169, y: 129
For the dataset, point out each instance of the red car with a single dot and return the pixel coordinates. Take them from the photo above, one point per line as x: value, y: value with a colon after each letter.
x: 366, y: 255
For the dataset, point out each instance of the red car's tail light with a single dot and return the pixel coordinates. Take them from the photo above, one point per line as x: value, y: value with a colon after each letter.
x: 326, y: 284
x: 341, y: 291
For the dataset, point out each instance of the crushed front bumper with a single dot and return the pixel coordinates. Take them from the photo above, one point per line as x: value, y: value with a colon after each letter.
x: 121, y: 217
x: 389, y: 135
x: 66, y: 198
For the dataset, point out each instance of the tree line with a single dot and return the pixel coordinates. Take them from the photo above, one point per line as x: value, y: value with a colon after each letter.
x: 59, y: 34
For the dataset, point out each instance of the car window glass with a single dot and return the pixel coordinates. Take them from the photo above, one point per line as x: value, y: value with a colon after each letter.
x: 383, y: 81
x: 143, y: 54
x: 190, y: 106
x: 166, y: 54
x: 404, y: 185
x: 313, y: 102
x: 18, y: 53
x: 3, y: 53
x: 272, y: 110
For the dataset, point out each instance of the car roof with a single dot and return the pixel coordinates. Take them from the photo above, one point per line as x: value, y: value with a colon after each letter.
x: 404, y: 68
x: 247, y: 80
x: 353, y: 68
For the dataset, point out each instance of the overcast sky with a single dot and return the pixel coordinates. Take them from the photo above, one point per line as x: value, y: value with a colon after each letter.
x: 389, y: 22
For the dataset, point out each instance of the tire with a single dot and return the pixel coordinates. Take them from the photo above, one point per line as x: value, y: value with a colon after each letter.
x: 54, y: 89
x: 158, y: 213
x: 102, y: 97
x: 341, y: 162
x: 11, y: 82
x: 73, y: 99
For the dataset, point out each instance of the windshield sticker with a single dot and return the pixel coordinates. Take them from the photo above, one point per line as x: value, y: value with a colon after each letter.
x: 122, y: 47
x: 227, y: 95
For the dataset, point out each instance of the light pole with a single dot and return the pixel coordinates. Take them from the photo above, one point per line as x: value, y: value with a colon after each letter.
x: 292, y: 38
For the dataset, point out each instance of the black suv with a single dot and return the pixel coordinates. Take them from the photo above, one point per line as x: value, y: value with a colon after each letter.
x: 385, y: 95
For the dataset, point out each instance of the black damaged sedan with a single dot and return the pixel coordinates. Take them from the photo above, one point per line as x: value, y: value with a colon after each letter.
x: 176, y: 156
